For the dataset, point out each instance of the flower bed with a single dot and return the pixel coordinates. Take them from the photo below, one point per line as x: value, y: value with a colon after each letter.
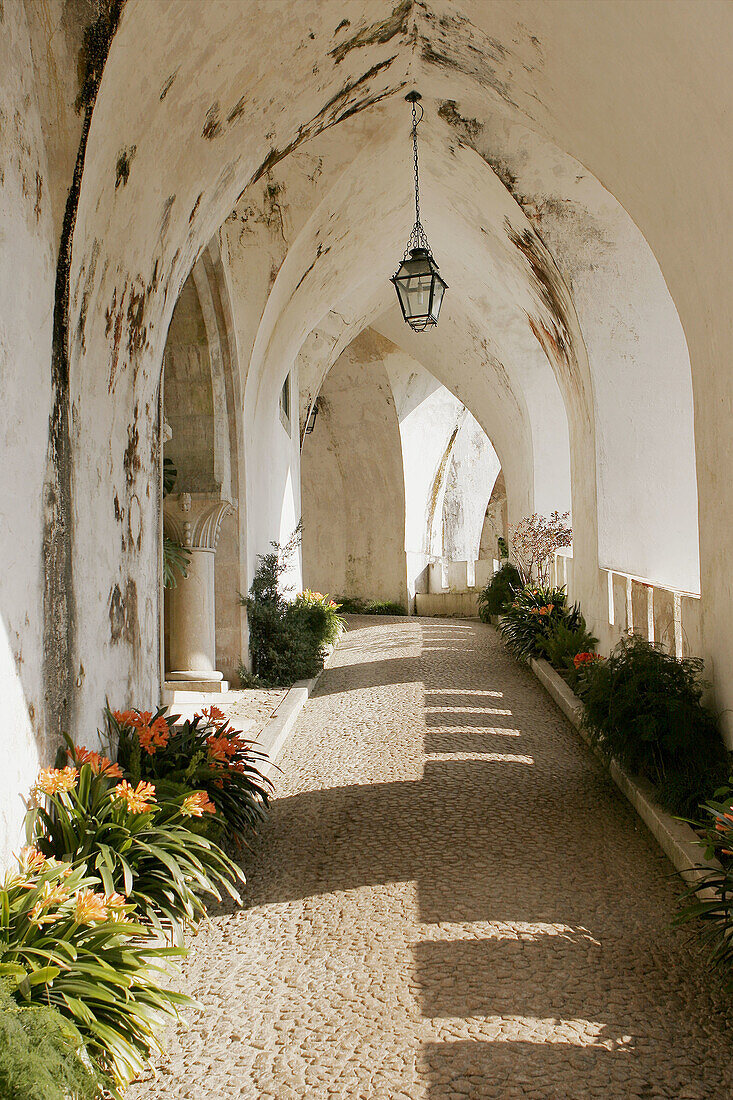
x: 641, y: 709
x: 119, y: 854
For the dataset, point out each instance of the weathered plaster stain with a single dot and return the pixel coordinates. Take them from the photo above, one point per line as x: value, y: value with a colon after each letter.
x: 123, y: 617
x: 548, y: 285
x: 131, y: 459
x: 321, y: 251
x: 58, y: 596
x: 237, y: 110
x: 467, y: 128
x: 327, y: 117
x: 124, y: 160
x: 397, y: 22
x: 212, y: 123
x: 168, y: 84
x: 195, y: 207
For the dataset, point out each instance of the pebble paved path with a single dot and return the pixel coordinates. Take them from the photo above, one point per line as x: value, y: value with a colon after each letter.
x: 450, y: 901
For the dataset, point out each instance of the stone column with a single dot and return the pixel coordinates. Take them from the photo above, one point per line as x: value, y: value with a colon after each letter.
x: 194, y: 520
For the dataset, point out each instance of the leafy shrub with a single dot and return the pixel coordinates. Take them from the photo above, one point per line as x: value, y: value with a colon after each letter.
x: 65, y: 945
x: 355, y: 605
x: 42, y: 1055
x: 644, y: 707
x: 170, y: 476
x: 247, y: 679
x: 385, y: 607
x: 562, y: 646
x: 716, y: 911
x: 134, y: 845
x: 287, y: 640
x: 532, y: 617
x: 320, y: 614
x: 499, y: 592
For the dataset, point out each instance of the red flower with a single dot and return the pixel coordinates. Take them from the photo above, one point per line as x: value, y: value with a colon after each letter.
x: 154, y: 736
x: 214, y: 715
x: 221, y: 747
x: 581, y: 659
x: 98, y: 763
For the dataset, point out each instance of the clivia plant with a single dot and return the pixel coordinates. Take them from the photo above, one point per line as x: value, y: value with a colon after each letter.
x: 533, y: 616
x: 712, y: 897
x: 68, y: 945
x: 205, y: 753
x: 136, y: 846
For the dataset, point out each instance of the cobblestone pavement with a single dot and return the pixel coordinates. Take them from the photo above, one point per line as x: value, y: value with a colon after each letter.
x: 450, y: 901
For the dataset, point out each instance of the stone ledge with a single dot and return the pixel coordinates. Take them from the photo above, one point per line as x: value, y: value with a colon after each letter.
x: 274, y: 736
x: 676, y: 839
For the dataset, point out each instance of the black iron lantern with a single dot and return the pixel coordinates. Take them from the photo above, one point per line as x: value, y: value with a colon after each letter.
x: 312, y: 414
x: 419, y: 286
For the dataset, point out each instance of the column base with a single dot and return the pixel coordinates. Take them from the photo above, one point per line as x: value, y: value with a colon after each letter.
x: 178, y: 682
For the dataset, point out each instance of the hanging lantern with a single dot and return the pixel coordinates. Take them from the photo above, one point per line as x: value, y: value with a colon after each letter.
x: 419, y: 286
x: 312, y: 414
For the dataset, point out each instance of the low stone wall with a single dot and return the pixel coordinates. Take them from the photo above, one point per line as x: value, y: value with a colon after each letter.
x: 676, y: 839
x: 454, y: 605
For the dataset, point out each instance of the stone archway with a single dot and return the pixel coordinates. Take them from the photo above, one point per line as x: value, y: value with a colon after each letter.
x: 202, y: 644
x: 352, y: 486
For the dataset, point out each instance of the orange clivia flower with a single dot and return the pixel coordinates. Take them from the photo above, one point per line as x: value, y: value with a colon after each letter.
x: 31, y: 860
x: 51, y: 897
x: 98, y: 763
x: 55, y: 780
x: 222, y: 748
x: 141, y: 718
x: 145, y: 737
x: 115, y: 901
x: 160, y: 727
x: 117, y: 906
x: 197, y: 804
x: 154, y: 736
x: 125, y: 718
x: 90, y: 907
x: 139, y: 799
x: 214, y: 715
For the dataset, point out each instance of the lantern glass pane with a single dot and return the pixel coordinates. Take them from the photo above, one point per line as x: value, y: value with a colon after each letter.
x: 402, y: 295
x: 418, y: 295
x: 437, y: 298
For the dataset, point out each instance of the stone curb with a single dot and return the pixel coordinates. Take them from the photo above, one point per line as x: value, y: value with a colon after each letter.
x: 274, y: 737
x: 676, y: 839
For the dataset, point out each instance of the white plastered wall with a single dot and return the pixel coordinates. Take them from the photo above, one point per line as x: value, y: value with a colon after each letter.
x: 27, y: 263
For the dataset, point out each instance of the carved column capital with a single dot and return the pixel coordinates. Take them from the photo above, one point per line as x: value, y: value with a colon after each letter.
x: 194, y: 519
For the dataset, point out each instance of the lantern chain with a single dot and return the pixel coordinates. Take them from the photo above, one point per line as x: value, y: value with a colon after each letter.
x: 418, y: 237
